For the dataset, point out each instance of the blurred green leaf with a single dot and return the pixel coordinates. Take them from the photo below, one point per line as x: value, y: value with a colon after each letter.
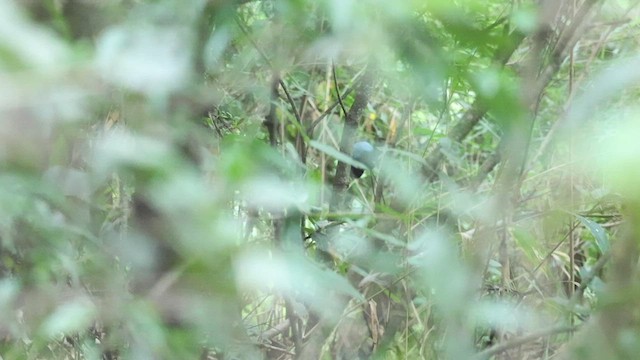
x: 70, y: 317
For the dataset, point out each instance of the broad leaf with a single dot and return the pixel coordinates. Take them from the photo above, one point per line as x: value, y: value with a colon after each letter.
x: 335, y: 153
x: 602, y: 239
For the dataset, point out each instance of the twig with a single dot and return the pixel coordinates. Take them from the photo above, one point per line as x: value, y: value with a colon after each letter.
x: 275, y: 330
x: 445, y: 106
x: 270, y: 121
x: 327, y: 112
x: 281, y: 82
x: 284, y: 351
x: 551, y: 134
x: 497, y: 349
x: 336, y: 103
x: 471, y: 117
x: 567, y: 40
x: 588, y: 278
x: 291, y: 103
x: 337, y: 89
x: 548, y: 256
x: 294, y: 325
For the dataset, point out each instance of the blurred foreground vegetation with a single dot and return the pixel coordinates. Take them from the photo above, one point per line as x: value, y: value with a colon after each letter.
x: 175, y: 179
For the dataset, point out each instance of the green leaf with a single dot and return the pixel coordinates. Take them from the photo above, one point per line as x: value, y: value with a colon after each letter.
x: 602, y: 239
x: 527, y: 242
x: 335, y: 153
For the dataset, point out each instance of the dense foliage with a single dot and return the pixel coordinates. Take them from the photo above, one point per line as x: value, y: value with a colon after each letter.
x: 176, y: 179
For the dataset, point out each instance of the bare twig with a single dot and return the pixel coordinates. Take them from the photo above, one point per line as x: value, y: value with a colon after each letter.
x: 497, y: 349
x: 337, y: 89
x: 275, y: 330
x: 281, y: 82
x: 327, y: 112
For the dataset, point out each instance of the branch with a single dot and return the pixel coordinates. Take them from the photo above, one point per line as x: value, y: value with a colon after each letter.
x: 497, y: 349
x: 457, y: 134
x: 270, y: 121
x: 337, y: 89
x: 588, y: 278
x: 275, y: 331
x: 327, y: 112
x: 471, y: 117
x: 486, y: 167
x: 565, y: 43
x: 363, y: 92
x: 294, y: 109
x: 281, y: 82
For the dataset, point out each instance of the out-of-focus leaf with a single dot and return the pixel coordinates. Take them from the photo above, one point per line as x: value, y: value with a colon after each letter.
x: 120, y: 149
x: 616, y: 149
x: 70, y: 181
x: 26, y: 45
x: 442, y: 274
x: 292, y: 274
x: 8, y: 292
x: 525, y: 19
x: 152, y: 60
x: 504, y: 315
x: 272, y: 193
x: 183, y: 192
x: 70, y: 317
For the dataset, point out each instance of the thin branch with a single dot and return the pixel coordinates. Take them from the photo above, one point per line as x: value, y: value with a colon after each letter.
x: 327, y: 112
x: 315, y: 122
x: 294, y: 325
x: 446, y: 99
x: 550, y: 253
x: 337, y: 89
x: 284, y: 351
x: 567, y: 41
x: 363, y: 92
x: 275, y: 330
x: 472, y: 116
x: 244, y: 30
x: 556, y: 125
x: 264, y: 56
x: 291, y: 103
x: 588, y: 278
x: 457, y: 134
x: 513, y: 343
x: 270, y: 121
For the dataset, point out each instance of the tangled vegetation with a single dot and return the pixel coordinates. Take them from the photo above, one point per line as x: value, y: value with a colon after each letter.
x: 178, y: 179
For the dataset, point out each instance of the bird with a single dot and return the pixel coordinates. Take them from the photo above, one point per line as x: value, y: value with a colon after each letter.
x: 364, y: 153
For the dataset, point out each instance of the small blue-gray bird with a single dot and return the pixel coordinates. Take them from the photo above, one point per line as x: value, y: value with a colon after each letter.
x: 364, y: 153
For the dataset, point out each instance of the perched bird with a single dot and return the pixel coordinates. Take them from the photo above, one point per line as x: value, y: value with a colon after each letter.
x: 365, y: 153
